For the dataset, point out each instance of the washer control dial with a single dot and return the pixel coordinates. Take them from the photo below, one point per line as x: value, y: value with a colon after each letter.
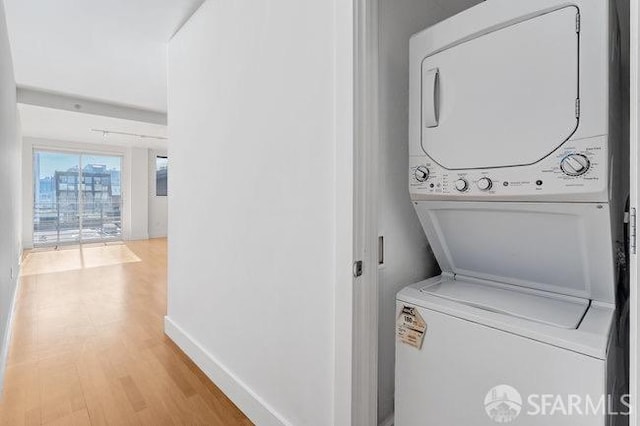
x: 461, y: 185
x: 575, y: 164
x: 421, y: 174
x: 484, y: 184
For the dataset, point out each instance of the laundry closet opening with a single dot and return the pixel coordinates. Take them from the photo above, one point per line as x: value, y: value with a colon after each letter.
x: 500, y: 199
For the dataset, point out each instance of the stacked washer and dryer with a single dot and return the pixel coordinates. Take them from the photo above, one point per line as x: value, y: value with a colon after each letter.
x: 517, y: 174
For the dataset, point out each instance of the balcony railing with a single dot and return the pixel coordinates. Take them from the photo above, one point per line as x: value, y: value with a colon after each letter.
x: 62, y: 222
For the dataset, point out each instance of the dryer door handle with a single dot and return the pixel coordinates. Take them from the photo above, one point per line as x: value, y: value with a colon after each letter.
x: 430, y: 97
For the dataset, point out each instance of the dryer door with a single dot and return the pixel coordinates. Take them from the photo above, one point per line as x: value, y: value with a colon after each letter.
x: 505, y: 98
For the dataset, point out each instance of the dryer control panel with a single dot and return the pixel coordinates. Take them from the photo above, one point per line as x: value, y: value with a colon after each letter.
x: 578, y: 167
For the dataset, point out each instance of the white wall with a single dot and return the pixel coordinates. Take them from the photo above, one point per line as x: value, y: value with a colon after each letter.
x: 406, y: 255
x: 138, y: 198
x: 157, y: 205
x: 134, y: 184
x: 10, y: 242
x: 256, y: 111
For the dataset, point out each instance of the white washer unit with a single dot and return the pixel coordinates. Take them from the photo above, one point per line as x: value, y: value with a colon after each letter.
x: 513, y: 142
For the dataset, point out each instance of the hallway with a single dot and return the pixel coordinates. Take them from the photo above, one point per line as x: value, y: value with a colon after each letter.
x: 88, y: 345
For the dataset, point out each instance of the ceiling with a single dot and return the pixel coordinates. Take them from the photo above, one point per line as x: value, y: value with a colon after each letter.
x: 56, y: 124
x: 113, y: 51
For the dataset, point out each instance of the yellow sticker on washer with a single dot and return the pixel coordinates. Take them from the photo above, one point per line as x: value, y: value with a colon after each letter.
x: 411, y: 327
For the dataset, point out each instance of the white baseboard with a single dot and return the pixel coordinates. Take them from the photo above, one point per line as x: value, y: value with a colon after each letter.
x: 157, y: 234
x: 254, y: 407
x: 137, y: 237
x: 4, y: 350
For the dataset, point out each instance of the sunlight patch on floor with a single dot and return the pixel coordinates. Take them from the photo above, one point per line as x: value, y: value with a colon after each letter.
x: 77, y: 257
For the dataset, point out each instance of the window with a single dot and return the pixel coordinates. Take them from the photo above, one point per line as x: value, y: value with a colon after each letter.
x: 161, y: 176
x: 76, y: 198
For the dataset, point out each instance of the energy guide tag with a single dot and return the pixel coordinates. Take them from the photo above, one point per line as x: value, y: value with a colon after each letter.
x: 411, y: 327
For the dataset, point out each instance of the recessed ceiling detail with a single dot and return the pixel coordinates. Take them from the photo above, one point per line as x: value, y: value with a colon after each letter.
x: 60, y: 125
x: 113, y: 51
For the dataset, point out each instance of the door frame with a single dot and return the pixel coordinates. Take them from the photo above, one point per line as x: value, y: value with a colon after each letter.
x: 366, y: 151
x: 356, y: 297
x: 634, y: 190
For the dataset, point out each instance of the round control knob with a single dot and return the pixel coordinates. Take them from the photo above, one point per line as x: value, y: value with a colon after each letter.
x: 484, y: 184
x: 575, y: 164
x: 461, y: 185
x: 421, y: 174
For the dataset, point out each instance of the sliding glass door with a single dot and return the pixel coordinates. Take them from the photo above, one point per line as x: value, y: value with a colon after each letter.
x: 100, y: 198
x: 77, y: 198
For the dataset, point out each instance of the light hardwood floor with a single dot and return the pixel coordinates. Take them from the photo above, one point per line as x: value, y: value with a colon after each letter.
x: 88, y: 345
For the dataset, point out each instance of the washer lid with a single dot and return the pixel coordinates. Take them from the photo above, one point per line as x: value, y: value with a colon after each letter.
x: 506, y: 98
x: 544, y: 308
x: 563, y: 248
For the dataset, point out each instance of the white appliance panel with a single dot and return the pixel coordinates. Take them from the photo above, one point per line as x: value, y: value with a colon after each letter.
x: 542, y: 181
x: 445, y: 382
x: 561, y: 248
x: 504, y: 98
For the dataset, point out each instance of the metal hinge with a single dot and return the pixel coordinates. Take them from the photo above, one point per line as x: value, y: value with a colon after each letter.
x: 357, y: 268
x: 632, y: 230
x: 577, y: 107
x: 577, y: 22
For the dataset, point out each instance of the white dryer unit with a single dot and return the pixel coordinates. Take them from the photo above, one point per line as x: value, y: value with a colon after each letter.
x: 514, y: 138
x: 510, y: 100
